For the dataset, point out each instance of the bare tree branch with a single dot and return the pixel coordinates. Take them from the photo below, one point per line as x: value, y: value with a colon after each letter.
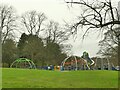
x: 33, y: 21
x: 7, y: 21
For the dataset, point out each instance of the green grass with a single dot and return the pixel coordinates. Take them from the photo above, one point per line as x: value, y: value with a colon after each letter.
x: 26, y: 78
x: 0, y: 78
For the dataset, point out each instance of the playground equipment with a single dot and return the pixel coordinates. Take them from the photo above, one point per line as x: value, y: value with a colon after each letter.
x: 103, y: 64
x: 78, y: 63
x: 74, y: 63
x: 23, y: 63
x: 70, y: 63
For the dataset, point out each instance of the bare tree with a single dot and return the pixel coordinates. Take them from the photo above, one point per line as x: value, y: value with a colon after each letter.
x: 98, y: 15
x: 7, y: 21
x: 55, y: 33
x: 109, y: 46
x: 33, y: 22
x: 110, y: 41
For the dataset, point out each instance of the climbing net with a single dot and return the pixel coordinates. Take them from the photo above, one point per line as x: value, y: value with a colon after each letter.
x: 23, y: 63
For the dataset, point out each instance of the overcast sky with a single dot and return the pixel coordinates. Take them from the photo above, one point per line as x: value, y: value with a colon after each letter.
x: 58, y: 10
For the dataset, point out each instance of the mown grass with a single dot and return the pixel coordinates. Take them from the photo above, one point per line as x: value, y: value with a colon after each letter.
x: 27, y: 78
x: 0, y: 78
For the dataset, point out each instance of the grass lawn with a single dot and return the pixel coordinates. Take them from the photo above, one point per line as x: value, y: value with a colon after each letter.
x: 27, y: 78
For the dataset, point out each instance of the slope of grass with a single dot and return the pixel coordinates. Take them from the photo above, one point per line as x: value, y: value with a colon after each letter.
x: 26, y: 78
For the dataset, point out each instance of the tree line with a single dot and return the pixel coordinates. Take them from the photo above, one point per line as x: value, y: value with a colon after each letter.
x: 41, y: 39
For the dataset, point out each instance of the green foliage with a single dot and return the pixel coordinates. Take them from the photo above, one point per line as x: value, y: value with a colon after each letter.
x: 54, y: 54
x: 9, y: 51
x: 21, y: 43
x: 22, y: 78
x: 32, y: 47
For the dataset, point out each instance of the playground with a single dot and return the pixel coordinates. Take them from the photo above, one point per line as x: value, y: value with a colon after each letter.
x: 69, y: 63
x: 60, y: 44
x: 34, y: 78
x: 74, y: 72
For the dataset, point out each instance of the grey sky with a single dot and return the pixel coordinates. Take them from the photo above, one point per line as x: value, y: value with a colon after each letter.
x: 57, y: 10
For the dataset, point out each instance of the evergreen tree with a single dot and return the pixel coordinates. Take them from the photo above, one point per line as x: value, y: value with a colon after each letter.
x: 21, y: 43
x: 9, y: 52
